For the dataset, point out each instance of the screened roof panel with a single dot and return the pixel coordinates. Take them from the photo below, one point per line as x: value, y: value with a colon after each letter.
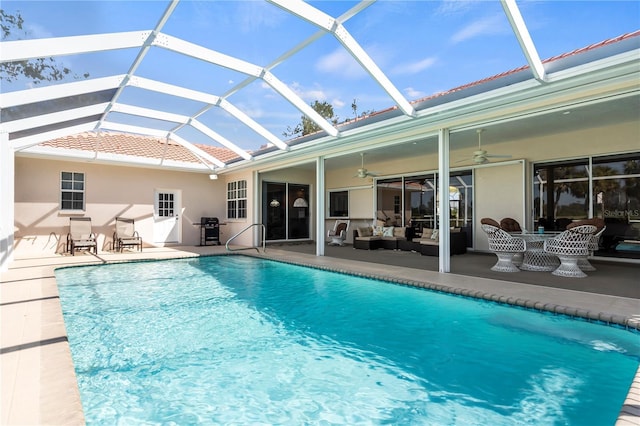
x: 297, y: 53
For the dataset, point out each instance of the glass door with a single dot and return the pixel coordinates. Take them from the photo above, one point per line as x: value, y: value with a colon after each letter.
x: 286, y: 211
x: 274, y: 210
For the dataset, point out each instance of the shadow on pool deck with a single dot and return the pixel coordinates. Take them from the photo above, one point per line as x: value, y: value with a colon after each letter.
x: 611, y: 277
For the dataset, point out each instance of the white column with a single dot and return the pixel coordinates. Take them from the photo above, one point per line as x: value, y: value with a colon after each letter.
x: 443, y: 204
x: 7, y: 200
x: 257, y: 195
x: 320, y: 206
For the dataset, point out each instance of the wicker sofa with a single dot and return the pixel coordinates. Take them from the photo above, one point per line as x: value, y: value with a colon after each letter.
x: 404, y: 238
x: 429, y: 242
x: 373, y: 238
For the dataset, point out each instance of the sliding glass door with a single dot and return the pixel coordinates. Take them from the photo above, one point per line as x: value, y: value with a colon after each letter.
x: 285, y: 211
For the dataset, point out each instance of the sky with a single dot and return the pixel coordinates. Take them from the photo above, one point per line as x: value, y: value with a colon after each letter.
x: 423, y: 47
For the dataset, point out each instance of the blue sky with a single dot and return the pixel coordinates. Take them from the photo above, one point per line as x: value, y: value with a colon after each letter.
x: 424, y: 47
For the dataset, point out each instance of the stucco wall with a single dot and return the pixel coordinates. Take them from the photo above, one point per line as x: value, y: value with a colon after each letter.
x: 41, y: 227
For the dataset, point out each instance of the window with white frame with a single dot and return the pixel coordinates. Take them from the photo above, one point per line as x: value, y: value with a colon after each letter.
x: 71, y: 191
x: 237, y: 199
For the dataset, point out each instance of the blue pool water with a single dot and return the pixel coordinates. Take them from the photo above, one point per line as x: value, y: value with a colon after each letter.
x: 238, y: 340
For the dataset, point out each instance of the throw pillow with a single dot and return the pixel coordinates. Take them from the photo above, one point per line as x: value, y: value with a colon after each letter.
x: 387, y: 231
x: 365, y: 232
x: 436, y: 233
x: 377, y: 231
x: 399, y: 231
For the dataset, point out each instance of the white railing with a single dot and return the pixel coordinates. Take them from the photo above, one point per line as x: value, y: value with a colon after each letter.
x: 248, y: 248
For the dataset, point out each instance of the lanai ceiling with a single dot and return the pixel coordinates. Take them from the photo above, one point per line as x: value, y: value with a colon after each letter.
x: 188, y: 72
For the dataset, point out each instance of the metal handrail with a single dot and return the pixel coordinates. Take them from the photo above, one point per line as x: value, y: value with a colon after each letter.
x: 248, y: 248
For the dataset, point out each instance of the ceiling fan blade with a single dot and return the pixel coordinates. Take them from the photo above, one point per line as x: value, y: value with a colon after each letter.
x: 464, y: 160
x: 497, y: 156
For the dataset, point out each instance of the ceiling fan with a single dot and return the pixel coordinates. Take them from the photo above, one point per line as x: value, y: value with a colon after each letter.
x: 362, y: 172
x: 481, y: 156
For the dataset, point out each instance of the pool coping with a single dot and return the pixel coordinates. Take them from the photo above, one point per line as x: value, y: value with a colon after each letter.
x: 44, y: 339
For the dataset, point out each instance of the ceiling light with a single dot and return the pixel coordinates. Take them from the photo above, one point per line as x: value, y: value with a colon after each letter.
x: 213, y: 176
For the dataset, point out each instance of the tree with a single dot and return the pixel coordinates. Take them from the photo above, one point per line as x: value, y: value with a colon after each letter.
x: 36, y: 70
x: 307, y: 126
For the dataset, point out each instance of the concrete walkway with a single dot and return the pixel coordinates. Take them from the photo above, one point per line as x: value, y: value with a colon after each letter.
x: 38, y: 380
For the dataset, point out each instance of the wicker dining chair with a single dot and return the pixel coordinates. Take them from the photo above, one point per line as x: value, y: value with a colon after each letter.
x: 570, y: 246
x: 505, y: 246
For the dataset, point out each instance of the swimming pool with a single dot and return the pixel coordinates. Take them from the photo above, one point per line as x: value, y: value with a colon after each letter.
x: 234, y: 339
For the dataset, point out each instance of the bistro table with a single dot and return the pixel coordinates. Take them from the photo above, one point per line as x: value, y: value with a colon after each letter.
x: 535, y: 258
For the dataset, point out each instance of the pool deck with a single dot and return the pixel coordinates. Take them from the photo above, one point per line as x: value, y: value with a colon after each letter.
x: 39, y: 384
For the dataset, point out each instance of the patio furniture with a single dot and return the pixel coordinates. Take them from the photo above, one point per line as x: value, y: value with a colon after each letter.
x: 489, y: 221
x: 569, y: 246
x: 510, y: 225
x: 504, y: 246
x: 363, y: 238
x: 126, y: 235
x: 457, y: 244
x: 339, y: 233
x: 80, y: 235
x: 594, y: 241
x: 535, y: 258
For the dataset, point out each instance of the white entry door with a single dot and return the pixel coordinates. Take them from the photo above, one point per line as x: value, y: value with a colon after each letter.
x: 167, y: 223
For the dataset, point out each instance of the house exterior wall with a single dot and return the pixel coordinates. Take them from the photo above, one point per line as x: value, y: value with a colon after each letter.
x: 499, y: 193
x: 41, y: 227
x: 111, y: 191
x: 231, y: 227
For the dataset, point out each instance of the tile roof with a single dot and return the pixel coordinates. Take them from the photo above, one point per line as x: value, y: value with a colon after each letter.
x: 137, y: 146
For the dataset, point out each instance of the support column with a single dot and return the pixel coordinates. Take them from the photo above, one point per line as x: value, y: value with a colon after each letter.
x: 7, y: 200
x: 320, y: 206
x: 444, y: 258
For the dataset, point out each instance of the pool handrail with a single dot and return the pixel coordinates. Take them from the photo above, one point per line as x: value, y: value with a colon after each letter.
x: 248, y: 248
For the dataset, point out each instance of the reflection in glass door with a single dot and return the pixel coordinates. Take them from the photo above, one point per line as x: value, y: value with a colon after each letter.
x: 274, y: 210
x: 419, y: 196
x: 285, y: 211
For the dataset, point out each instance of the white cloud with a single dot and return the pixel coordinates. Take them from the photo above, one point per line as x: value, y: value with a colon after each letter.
x: 448, y: 7
x: 485, y: 26
x: 253, y: 14
x: 309, y: 94
x: 337, y: 103
x: 413, y: 93
x: 340, y: 62
x: 414, y: 67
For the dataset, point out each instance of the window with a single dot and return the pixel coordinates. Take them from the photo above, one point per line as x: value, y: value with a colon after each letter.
x: 339, y: 204
x: 71, y: 191
x: 396, y: 204
x: 237, y: 200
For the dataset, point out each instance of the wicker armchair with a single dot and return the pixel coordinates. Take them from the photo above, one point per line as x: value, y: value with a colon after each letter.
x: 510, y: 225
x: 339, y: 233
x: 505, y: 246
x: 594, y: 242
x: 569, y: 246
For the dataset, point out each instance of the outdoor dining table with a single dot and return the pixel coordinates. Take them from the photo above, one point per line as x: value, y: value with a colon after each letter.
x: 535, y: 258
